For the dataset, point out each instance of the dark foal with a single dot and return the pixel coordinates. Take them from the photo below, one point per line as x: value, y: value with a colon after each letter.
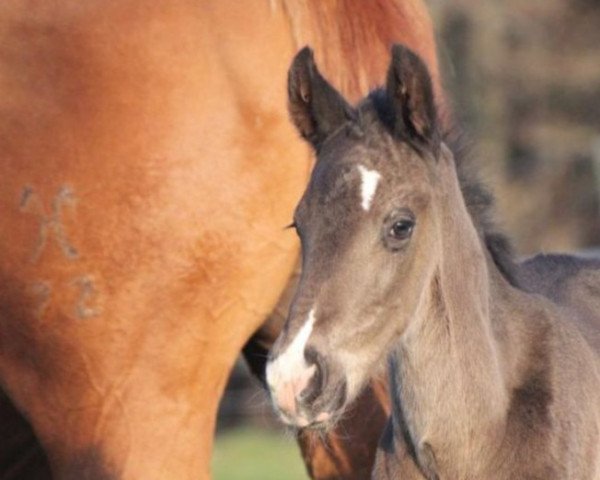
x: 494, y: 366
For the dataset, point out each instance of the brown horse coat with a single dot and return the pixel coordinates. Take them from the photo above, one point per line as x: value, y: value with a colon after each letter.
x: 147, y: 170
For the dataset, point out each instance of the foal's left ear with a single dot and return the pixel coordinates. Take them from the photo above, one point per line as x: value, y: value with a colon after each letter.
x: 409, y: 86
x: 316, y: 108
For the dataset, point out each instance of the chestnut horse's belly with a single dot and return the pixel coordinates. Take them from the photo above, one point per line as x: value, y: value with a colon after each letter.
x: 147, y: 172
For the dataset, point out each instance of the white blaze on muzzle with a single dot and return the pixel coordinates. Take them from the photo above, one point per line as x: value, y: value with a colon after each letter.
x: 289, y: 373
x: 369, y: 181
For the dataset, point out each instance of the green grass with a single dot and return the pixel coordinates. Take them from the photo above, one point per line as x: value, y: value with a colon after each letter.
x: 254, y: 454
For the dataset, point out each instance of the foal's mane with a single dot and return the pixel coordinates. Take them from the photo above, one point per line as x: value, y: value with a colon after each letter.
x: 478, y: 197
x: 481, y: 204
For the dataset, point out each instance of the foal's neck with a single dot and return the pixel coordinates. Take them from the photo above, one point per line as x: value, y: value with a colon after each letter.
x: 448, y: 379
x: 454, y: 368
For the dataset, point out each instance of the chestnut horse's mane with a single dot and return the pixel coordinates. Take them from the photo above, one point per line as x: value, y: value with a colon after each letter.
x: 353, y: 50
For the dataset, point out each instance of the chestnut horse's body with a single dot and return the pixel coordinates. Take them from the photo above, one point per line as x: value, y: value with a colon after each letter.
x: 147, y: 171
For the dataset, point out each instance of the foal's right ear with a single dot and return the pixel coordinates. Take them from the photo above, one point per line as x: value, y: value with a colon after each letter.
x: 410, y: 88
x: 316, y: 108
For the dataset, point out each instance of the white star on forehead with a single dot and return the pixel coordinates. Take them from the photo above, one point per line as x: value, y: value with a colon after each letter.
x: 368, y: 186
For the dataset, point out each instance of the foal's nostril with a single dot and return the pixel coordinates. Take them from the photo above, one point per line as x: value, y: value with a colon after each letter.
x: 311, y: 392
x: 317, y: 381
x: 313, y: 357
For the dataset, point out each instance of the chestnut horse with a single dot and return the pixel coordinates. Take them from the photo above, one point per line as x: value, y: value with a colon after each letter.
x: 494, y: 366
x: 148, y: 168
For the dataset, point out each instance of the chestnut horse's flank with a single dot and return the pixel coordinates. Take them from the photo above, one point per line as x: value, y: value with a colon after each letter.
x: 147, y: 169
x: 494, y: 366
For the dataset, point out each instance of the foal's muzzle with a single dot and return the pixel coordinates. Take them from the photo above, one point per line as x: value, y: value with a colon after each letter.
x: 301, y: 390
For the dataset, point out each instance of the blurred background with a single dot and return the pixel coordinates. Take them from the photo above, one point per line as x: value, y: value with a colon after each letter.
x: 524, y: 80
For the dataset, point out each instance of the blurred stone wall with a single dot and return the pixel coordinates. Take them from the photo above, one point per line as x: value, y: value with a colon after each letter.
x: 524, y: 76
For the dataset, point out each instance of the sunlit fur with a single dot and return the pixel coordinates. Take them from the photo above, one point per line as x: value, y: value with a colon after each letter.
x: 167, y: 122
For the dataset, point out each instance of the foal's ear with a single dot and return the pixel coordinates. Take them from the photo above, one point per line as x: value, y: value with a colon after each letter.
x: 409, y: 87
x: 316, y: 108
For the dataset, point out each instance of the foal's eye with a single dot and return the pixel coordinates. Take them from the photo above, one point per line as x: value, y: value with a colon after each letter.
x: 402, y: 229
x: 398, y: 228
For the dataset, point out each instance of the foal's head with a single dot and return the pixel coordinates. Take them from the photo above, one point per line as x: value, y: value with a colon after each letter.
x: 369, y: 227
